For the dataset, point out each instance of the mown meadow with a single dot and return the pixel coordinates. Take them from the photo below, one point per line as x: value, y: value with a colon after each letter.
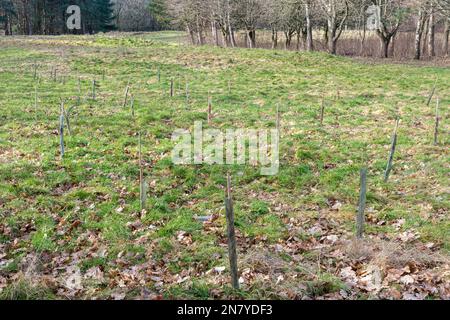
x: 72, y: 227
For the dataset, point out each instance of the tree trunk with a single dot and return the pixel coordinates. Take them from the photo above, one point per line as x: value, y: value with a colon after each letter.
x: 299, y: 35
x: 233, y: 39
x: 425, y: 39
x: 446, y: 36
x: 191, y: 34
x: 215, y: 33
x: 274, y: 38
x: 225, y: 39
x: 199, y: 33
x: 309, y: 38
x: 431, y: 35
x: 230, y: 28
x: 332, y: 42
x: 392, y: 46
x: 252, y: 38
x: 5, y: 25
x: 304, y: 38
x: 385, y: 47
x: 288, y: 42
x: 418, y: 36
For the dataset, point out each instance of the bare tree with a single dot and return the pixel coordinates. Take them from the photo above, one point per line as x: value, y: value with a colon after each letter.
x: 309, y: 34
x: 392, y: 15
x: 249, y: 14
x: 336, y: 13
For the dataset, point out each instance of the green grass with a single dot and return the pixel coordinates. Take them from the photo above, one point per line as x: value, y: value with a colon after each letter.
x: 97, y: 181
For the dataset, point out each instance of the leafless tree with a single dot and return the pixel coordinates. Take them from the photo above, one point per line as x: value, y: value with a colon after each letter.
x: 392, y: 14
x: 336, y: 13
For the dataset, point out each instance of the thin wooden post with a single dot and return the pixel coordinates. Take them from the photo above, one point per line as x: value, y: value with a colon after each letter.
x: 278, y: 119
x: 436, y: 125
x: 36, y: 101
x: 126, y: 95
x: 432, y: 93
x: 61, y: 134
x: 391, y: 154
x: 159, y: 74
x: 66, y: 117
x: 322, y: 111
x: 209, y: 109
x: 142, y: 185
x: 54, y: 75
x: 79, y: 90
x: 231, y: 235
x: 187, y: 94
x: 35, y: 71
x: 94, y: 84
x: 362, y: 204
x: 171, y: 88
x: 132, y: 105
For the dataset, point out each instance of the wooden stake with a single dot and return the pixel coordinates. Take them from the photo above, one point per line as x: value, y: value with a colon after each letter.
x: 36, y: 100
x: 142, y: 185
x: 126, y: 95
x: 209, y: 110
x: 431, y: 93
x: 79, y: 90
x: 171, y: 88
x: 322, y: 111
x: 187, y: 94
x: 159, y: 74
x: 391, y: 155
x: 278, y: 119
x: 231, y: 235
x: 66, y: 117
x: 362, y: 204
x: 132, y: 105
x: 35, y: 71
x: 436, y: 126
x: 61, y: 134
x: 94, y: 84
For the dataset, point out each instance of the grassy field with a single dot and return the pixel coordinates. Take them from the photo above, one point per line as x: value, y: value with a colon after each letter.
x: 72, y: 228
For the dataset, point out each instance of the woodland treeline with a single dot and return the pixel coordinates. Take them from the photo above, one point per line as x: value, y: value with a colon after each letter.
x: 417, y: 26
x: 29, y: 17
x: 307, y: 22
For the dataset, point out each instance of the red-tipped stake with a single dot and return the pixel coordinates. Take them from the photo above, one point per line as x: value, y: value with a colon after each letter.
x: 231, y: 235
